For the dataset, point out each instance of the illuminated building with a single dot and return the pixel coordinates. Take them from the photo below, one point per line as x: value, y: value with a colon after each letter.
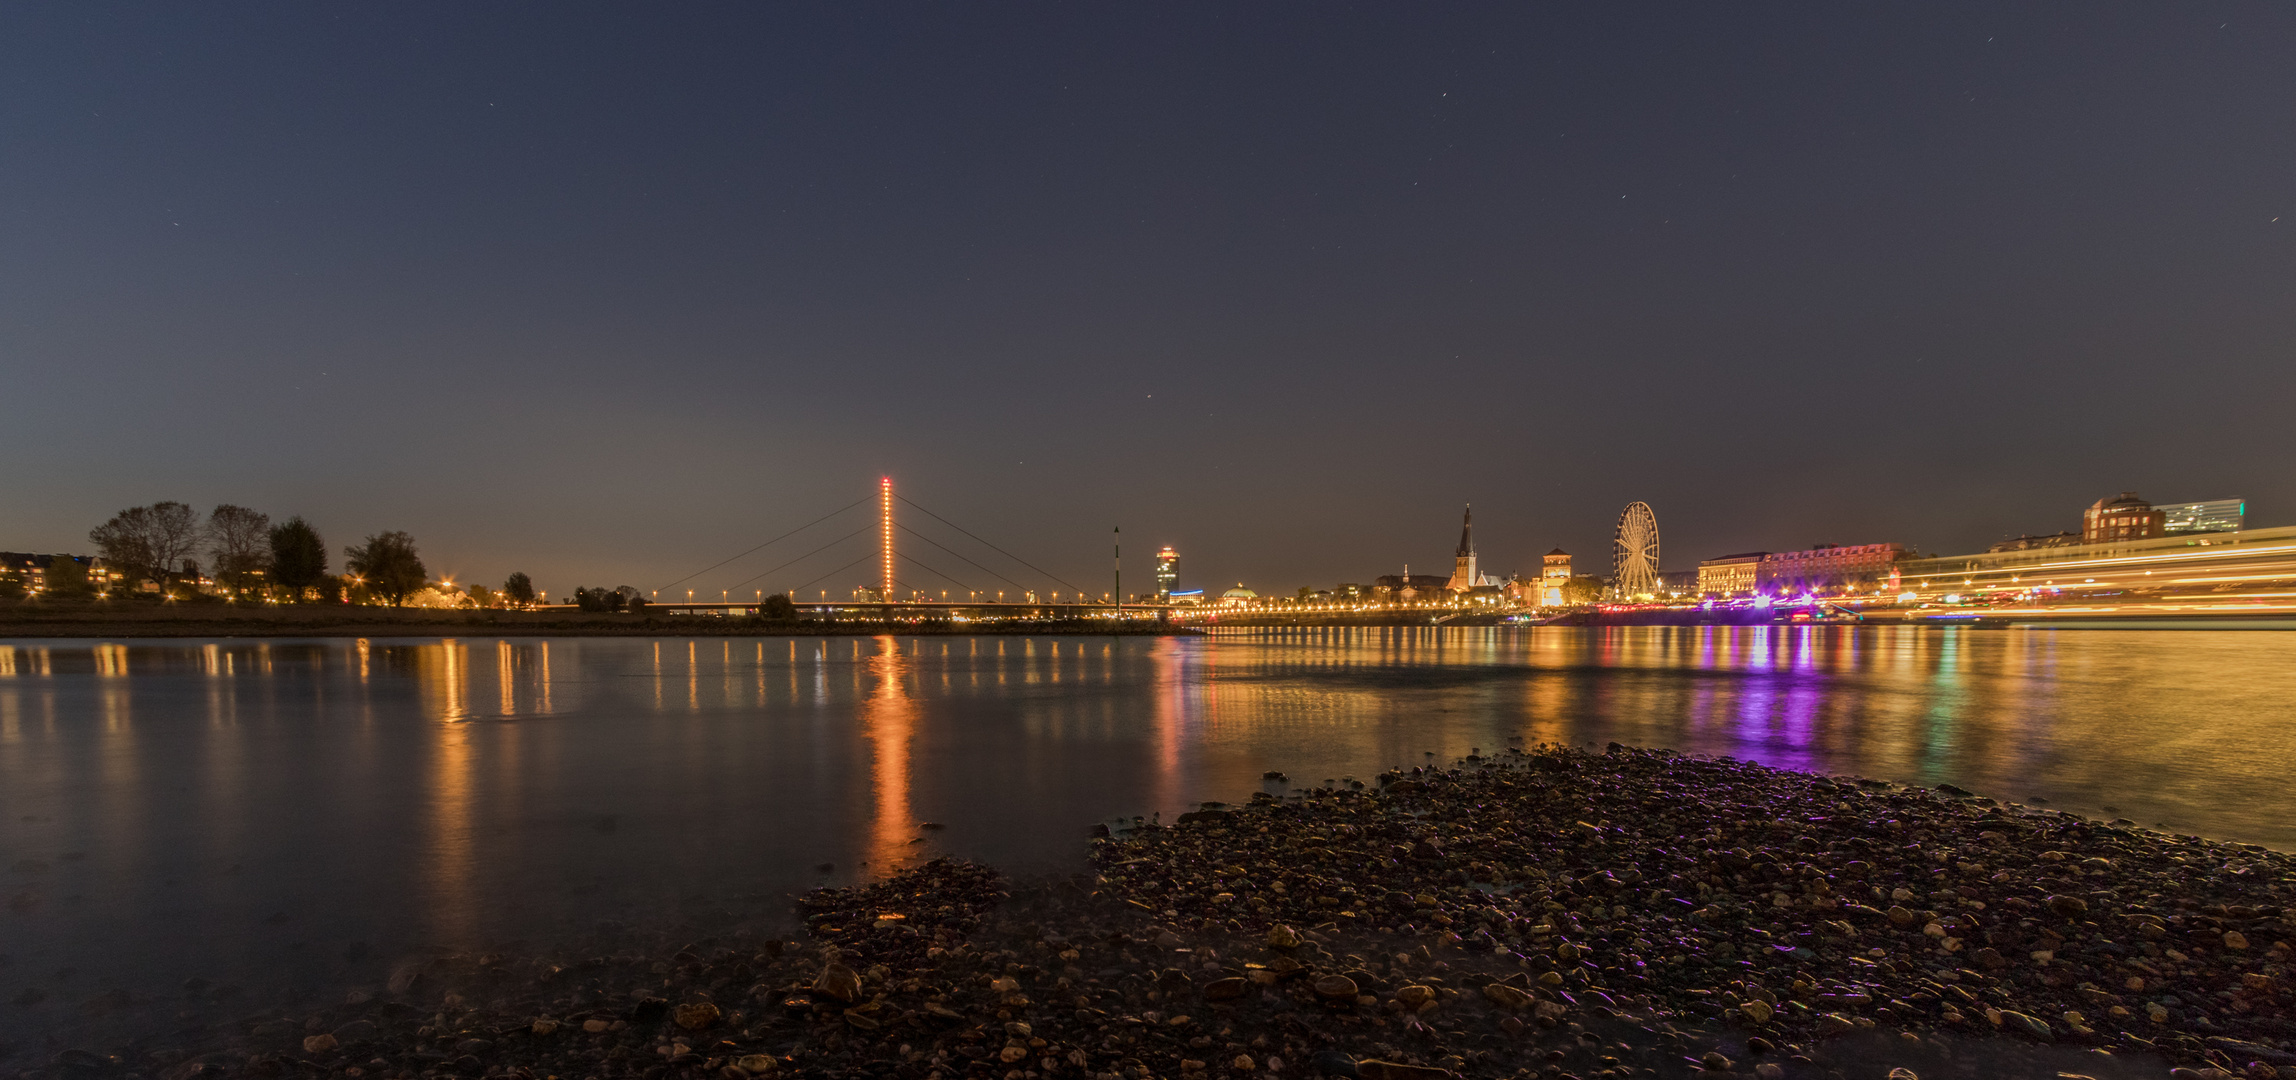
x: 1167, y: 572
x: 2126, y: 517
x: 1554, y: 577
x: 1463, y: 574
x: 1731, y: 575
x: 1827, y: 568
x: 2248, y: 572
x: 2214, y: 516
x: 32, y: 570
x: 1238, y: 596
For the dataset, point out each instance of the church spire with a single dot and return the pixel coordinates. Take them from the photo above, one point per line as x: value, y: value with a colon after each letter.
x: 1463, y: 573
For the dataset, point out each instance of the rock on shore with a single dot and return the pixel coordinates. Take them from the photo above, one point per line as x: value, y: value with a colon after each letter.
x: 1550, y: 914
x: 1789, y: 906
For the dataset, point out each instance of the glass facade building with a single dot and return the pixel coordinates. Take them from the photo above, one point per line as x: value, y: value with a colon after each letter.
x: 2214, y: 516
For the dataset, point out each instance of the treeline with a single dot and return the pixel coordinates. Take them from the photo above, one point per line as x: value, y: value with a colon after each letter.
x: 250, y: 558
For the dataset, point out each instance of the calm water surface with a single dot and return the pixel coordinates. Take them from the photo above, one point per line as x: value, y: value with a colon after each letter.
x: 293, y: 815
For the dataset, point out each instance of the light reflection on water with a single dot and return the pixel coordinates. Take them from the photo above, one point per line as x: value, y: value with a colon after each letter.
x: 245, y: 810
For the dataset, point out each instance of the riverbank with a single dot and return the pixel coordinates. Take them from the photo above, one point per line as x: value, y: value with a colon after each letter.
x: 346, y: 621
x: 1788, y: 909
x: 1551, y: 913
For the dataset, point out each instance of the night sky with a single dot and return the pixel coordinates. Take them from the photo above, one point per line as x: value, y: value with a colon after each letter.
x: 608, y: 293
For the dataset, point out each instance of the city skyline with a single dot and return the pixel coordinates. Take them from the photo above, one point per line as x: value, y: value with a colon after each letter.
x: 894, y: 572
x: 605, y: 296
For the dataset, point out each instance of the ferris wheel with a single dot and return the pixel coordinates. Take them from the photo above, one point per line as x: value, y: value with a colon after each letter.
x: 1634, y: 551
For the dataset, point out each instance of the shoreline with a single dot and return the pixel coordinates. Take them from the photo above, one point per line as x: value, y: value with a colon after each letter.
x: 342, y: 622
x: 1549, y: 913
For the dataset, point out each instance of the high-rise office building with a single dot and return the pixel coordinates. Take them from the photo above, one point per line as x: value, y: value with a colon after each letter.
x: 1167, y: 572
x: 2215, y: 515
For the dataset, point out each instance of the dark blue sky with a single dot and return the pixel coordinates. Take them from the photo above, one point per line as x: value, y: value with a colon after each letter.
x: 609, y: 293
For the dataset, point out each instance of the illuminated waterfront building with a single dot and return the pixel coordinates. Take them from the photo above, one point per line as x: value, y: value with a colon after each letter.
x: 2214, y: 516
x: 1554, y: 577
x: 1730, y: 575
x: 1238, y: 596
x: 1167, y: 572
x: 2247, y: 572
x: 32, y: 570
x: 1464, y: 576
x: 2125, y: 517
x: 1828, y: 568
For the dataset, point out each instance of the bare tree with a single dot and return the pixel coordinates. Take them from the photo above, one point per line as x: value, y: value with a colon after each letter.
x: 148, y: 541
x: 238, y: 543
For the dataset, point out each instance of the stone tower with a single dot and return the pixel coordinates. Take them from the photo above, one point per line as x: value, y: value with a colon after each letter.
x: 1463, y: 575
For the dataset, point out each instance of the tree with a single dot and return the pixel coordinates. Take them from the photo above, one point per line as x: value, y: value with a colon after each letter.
x: 298, y: 556
x: 67, y: 577
x: 148, y: 541
x: 519, y: 589
x: 1583, y: 589
x: 238, y: 542
x: 778, y: 608
x: 479, y: 597
x: 600, y: 600
x: 389, y: 564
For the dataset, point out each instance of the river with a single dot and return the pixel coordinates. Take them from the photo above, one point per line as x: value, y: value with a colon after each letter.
x: 288, y: 816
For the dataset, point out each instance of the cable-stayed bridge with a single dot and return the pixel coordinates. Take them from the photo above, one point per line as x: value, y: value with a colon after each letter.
x: 815, y: 566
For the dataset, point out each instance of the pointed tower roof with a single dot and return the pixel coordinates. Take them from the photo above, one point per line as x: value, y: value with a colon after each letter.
x: 1467, y: 533
x: 1559, y: 551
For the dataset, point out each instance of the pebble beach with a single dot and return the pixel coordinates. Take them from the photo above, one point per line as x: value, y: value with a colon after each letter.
x: 1547, y: 912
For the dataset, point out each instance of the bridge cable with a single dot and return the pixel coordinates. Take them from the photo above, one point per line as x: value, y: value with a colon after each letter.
x: 802, y: 558
x: 832, y: 573
x: 952, y: 551
x: 921, y: 565
x: 767, y: 544
x: 998, y: 550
